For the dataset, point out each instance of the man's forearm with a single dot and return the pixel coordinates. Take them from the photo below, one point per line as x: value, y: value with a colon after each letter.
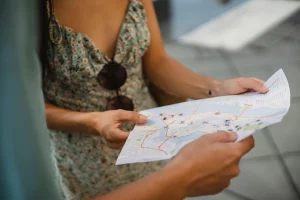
x: 166, y: 183
x: 173, y: 77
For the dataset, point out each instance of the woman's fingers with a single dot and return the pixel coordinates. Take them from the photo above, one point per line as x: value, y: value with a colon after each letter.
x: 115, y: 135
x: 258, y: 80
x: 253, y: 84
x: 116, y: 145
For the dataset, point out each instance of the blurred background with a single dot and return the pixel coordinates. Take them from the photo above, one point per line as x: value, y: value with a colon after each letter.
x: 219, y: 38
x: 225, y: 39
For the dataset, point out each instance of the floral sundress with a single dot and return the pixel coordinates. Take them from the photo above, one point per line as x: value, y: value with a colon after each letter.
x: 85, y: 165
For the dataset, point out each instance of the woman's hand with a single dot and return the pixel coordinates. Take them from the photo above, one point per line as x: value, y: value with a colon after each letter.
x: 241, y: 85
x: 108, y: 123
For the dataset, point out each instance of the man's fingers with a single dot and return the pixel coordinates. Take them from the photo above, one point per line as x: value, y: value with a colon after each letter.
x: 246, y: 145
x: 135, y: 117
x: 254, y: 84
x: 222, y: 137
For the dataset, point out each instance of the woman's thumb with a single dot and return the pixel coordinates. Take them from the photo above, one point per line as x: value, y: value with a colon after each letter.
x: 132, y: 116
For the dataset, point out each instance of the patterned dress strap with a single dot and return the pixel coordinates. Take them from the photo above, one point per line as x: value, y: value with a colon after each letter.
x: 55, y: 30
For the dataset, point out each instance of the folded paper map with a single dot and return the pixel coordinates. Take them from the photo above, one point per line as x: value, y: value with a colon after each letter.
x: 170, y: 128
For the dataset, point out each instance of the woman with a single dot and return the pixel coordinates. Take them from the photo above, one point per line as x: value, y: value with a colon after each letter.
x: 99, y: 52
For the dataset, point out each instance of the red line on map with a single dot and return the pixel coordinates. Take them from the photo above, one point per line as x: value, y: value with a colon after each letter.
x: 143, y: 147
x: 273, y: 83
x: 168, y: 137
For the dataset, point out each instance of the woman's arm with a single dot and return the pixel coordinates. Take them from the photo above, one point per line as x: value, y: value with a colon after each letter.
x: 168, y: 74
x: 107, y: 124
x: 69, y: 121
x: 171, y: 76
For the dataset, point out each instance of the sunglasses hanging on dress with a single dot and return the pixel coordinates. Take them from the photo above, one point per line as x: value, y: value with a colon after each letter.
x: 112, y: 77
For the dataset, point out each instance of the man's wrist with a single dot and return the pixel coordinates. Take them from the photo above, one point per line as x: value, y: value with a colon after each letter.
x: 175, y: 179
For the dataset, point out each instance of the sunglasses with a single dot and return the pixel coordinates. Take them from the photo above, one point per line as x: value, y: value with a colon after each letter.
x: 112, y: 77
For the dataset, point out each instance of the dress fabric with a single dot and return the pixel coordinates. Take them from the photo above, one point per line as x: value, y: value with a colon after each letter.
x: 85, y: 165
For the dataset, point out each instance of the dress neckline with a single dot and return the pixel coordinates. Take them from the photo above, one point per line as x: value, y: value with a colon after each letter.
x: 107, y: 58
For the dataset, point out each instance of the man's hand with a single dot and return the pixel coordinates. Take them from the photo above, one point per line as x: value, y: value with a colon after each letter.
x: 203, y: 167
x: 210, y: 162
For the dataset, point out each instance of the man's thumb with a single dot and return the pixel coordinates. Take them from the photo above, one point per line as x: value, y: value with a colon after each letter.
x: 224, y: 136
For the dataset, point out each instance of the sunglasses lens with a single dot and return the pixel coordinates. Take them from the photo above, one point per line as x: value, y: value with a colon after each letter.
x: 112, y: 76
x: 120, y: 102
